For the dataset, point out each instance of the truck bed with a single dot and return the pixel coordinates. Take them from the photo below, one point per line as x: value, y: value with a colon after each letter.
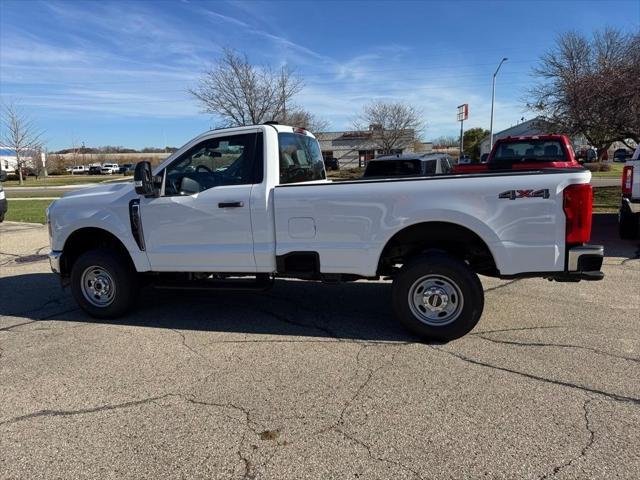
x: 518, y: 215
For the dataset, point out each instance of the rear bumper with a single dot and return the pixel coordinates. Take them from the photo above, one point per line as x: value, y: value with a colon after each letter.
x: 631, y: 204
x: 583, y: 263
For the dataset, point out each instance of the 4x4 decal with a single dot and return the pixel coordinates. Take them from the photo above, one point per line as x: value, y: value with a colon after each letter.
x: 514, y: 194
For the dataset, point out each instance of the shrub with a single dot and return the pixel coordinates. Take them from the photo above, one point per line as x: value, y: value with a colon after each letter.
x: 605, y: 167
x: 593, y: 167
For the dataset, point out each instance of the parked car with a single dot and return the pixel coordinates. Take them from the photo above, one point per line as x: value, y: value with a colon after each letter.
x: 409, y: 164
x: 621, y: 155
x: 526, y: 153
x: 331, y: 163
x: 629, y: 216
x: 95, y: 170
x: 3, y: 199
x: 127, y: 168
x: 78, y: 170
x: 110, y: 168
x: 201, y: 220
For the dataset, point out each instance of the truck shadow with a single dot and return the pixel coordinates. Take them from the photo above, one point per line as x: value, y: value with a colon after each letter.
x: 357, y: 311
x: 291, y: 308
x: 605, y: 232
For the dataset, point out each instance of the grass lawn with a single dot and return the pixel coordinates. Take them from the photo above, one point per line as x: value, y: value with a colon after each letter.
x: 615, y: 172
x: 20, y: 194
x: 31, y: 211
x: 606, y: 199
x: 59, y: 180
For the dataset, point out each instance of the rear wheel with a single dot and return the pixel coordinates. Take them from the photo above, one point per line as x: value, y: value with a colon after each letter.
x: 104, y: 284
x: 628, y: 224
x: 438, y: 297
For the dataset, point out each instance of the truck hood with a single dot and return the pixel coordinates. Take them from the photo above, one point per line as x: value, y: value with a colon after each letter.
x: 98, y: 193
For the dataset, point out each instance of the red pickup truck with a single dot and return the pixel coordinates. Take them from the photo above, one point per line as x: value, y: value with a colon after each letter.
x: 526, y: 153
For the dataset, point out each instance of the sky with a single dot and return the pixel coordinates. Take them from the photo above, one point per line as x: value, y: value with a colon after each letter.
x: 118, y: 72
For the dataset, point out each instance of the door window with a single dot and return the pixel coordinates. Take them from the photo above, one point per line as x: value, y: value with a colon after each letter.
x: 228, y: 160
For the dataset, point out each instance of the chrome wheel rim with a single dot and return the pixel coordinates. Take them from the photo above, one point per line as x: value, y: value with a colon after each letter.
x: 97, y: 286
x: 435, y: 300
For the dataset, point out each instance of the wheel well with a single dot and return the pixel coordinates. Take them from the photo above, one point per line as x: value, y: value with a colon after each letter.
x: 86, y: 239
x: 452, y: 238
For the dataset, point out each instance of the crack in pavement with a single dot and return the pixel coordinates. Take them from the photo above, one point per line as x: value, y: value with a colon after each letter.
x: 613, y: 396
x: 518, y: 329
x: 558, y: 345
x: 367, y: 447
x: 497, y: 287
x: 83, y: 411
x: 583, y: 451
x: 284, y: 319
x: 337, y: 425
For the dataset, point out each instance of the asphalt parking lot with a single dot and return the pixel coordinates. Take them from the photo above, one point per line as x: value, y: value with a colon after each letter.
x: 317, y: 381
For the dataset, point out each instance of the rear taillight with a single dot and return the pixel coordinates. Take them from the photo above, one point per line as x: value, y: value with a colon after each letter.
x: 627, y: 180
x: 578, y: 206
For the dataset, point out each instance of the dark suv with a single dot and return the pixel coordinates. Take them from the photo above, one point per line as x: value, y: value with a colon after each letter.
x: 409, y: 165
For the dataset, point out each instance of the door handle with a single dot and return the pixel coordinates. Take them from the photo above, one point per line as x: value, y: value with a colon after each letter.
x: 230, y: 204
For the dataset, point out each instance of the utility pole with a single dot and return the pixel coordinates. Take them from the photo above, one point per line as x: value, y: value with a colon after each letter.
x: 493, y: 97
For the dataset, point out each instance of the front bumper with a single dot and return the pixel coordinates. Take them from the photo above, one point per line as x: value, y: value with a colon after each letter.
x: 54, y: 261
x: 632, y: 205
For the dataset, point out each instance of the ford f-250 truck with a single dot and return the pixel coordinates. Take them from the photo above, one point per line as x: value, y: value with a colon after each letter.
x: 629, y: 216
x: 254, y: 202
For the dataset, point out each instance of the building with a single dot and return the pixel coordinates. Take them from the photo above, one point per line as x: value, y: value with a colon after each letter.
x: 9, y: 160
x: 353, y: 149
x: 535, y: 126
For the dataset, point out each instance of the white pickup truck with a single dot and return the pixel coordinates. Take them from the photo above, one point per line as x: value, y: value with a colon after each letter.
x: 629, y: 217
x: 235, y: 208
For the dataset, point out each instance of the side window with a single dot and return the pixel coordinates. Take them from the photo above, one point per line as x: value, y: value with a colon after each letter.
x: 300, y: 158
x: 212, y: 163
x: 430, y: 167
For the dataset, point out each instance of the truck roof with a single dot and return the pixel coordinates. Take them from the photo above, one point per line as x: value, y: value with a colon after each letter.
x: 552, y: 136
x: 279, y: 128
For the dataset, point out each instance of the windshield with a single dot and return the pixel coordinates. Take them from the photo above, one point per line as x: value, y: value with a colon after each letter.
x: 530, y: 150
x: 300, y: 158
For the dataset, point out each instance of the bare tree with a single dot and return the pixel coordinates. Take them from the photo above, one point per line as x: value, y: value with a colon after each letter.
x: 391, y: 126
x: 19, y: 133
x: 591, y: 86
x: 298, y: 117
x: 446, y: 142
x: 243, y: 94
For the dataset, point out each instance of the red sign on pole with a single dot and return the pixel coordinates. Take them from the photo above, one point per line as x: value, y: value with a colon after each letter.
x: 463, y: 112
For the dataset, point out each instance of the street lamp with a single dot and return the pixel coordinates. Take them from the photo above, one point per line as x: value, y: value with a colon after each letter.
x: 493, y: 97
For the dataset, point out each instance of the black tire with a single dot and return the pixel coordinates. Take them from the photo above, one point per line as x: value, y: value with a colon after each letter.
x: 120, y: 274
x: 456, y: 278
x: 628, y: 224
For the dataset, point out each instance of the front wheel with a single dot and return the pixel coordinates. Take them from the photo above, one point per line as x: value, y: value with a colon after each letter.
x: 438, y: 297
x: 104, y: 284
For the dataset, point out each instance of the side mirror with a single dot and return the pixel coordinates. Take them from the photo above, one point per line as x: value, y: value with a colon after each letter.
x: 3, y: 175
x: 144, y: 181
